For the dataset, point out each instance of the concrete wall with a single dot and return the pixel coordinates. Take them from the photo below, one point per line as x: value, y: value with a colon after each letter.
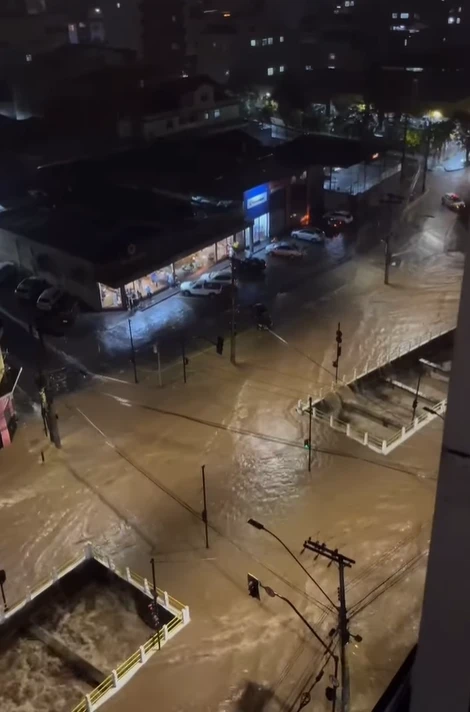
x: 75, y: 275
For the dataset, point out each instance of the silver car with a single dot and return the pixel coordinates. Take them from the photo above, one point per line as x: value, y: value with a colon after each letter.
x: 309, y: 234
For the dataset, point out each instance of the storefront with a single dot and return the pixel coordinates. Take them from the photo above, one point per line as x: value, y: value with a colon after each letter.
x: 256, y: 201
x: 150, y: 284
x: 189, y: 267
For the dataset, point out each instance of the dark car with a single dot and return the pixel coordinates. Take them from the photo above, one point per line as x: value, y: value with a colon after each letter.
x: 249, y: 267
x: 30, y: 288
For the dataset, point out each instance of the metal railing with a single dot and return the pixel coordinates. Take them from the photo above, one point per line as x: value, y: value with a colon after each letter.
x: 125, y: 670
x: 357, y: 374
x: 373, y: 442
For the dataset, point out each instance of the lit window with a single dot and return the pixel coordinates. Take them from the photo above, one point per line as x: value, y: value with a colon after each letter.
x: 253, y: 43
x: 270, y: 71
x: 332, y: 56
x: 347, y: 3
x: 270, y: 40
x: 414, y: 69
x: 394, y: 15
x: 460, y: 9
x: 82, y: 25
x: 458, y: 21
x: 398, y: 28
x: 404, y: 15
x: 451, y: 20
x: 227, y: 72
x: 308, y: 67
x: 97, y: 11
x: 281, y: 39
x: 331, y: 66
x: 352, y: 3
x: 216, y: 113
x: 281, y: 68
x: 206, y: 115
x: 29, y: 57
x: 173, y: 18
x: 118, y: 5
x: 405, y: 42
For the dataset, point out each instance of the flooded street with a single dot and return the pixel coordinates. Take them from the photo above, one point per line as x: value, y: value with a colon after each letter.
x: 129, y: 479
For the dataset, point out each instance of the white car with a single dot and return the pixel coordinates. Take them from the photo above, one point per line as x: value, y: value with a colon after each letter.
x: 202, y: 288
x: 284, y: 249
x: 223, y: 277
x: 309, y: 234
x: 453, y: 201
x: 338, y: 216
x: 49, y: 298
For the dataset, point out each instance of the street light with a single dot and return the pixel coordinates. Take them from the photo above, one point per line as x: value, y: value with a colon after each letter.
x: 257, y: 525
x: 433, y: 412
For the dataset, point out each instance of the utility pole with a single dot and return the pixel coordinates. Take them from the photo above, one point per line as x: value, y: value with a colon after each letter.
x: 155, y: 616
x: 131, y: 338
x: 387, y: 258
x: 415, y: 401
x: 156, y: 351
x: 427, y: 146
x: 204, y: 511
x: 310, y: 415
x: 3, y: 578
x: 339, y: 341
x: 390, y: 199
x: 233, y: 311
x: 46, y: 395
x: 333, y: 555
x: 403, y: 149
x: 184, y: 359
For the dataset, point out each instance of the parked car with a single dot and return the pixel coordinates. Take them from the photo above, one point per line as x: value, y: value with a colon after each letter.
x: 49, y: 298
x: 284, y: 249
x: 250, y: 267
x: 30, y: 288
x: 202, y: 288
x: 337, y: 218
x: 453, y: 201
x: 225, y: 277
x: 309, y: 234
x: 7, y: 269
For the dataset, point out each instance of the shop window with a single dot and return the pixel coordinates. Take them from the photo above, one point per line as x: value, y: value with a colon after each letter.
x: 196, y: 264
x: 110, y: 298
x: 149, y: 285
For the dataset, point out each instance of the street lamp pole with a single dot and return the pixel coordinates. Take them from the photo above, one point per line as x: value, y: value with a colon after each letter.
x: 257, y: 525
x: 274, y: 594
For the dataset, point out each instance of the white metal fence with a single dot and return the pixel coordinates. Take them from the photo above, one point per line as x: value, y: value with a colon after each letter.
x: 369, y: 440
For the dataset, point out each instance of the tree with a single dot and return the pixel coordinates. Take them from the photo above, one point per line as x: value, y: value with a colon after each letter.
x: 291, y: 101
x: 462, y: 119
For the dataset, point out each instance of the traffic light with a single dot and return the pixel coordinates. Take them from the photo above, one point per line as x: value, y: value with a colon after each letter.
x: 219, y: 347
x: 253, y: 587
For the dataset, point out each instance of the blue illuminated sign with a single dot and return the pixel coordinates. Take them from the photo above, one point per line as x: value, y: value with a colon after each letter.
x: 257, y: 201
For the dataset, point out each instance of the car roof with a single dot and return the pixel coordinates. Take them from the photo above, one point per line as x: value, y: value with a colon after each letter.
x: 50, y: 290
